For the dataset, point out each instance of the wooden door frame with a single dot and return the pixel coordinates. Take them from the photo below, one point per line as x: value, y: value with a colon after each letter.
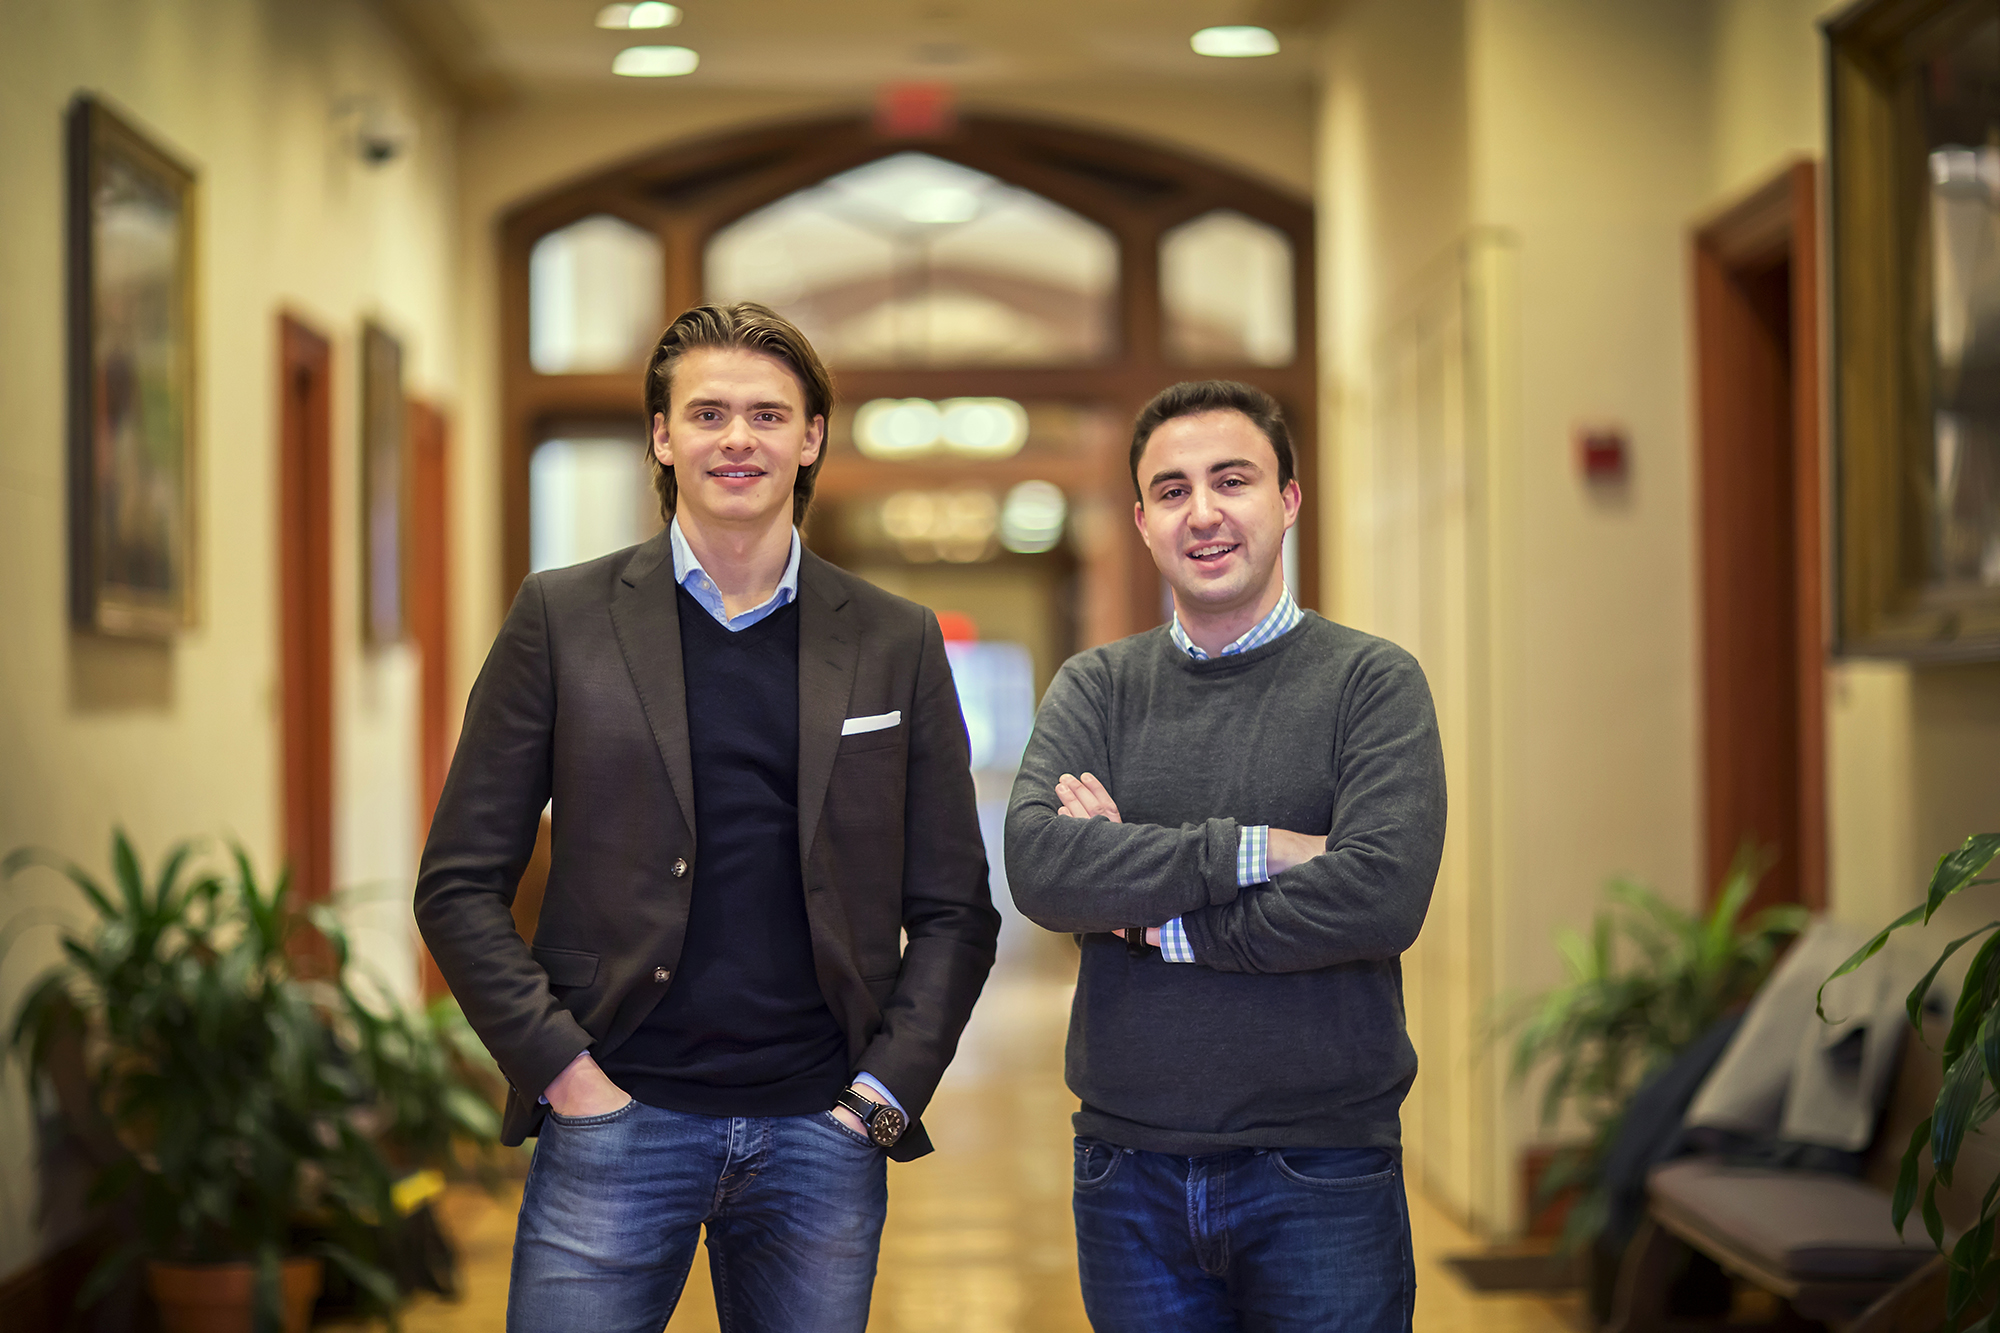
x: 1778, y: 223
x: 305, y: 611
x: 1138, y: 191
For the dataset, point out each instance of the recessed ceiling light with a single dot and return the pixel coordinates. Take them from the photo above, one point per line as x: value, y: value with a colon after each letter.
x: 655, y: 62
x: 1235, y: 41
x: 647, y: 14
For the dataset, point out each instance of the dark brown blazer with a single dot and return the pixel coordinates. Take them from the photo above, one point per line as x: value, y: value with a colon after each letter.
x: 581, y: 704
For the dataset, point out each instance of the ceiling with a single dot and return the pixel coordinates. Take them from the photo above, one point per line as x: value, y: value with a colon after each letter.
x: 492, y: 48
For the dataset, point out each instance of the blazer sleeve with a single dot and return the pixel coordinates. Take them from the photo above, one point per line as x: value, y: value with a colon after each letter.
x: 481, y: 838
x: 948, y: 912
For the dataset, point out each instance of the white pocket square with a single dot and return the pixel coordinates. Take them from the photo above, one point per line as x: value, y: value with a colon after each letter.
x: 854, y: 726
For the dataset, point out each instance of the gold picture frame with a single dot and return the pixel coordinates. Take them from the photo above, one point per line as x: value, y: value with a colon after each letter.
x: 1915, y: 446
x: 132, y: 233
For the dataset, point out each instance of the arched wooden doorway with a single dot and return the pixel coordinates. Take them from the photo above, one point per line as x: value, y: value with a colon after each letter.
x: 677, y: 201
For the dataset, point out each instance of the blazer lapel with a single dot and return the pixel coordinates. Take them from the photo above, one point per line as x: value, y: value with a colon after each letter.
x: 828, y: 651
x: 645, y: 614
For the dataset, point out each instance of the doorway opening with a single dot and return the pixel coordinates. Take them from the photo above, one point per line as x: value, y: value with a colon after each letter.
x: 1763, y: 632
x: 305, y: 613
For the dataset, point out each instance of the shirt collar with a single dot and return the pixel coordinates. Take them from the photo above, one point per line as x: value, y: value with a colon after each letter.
x: 1282, y: 618
x: 686, y: 566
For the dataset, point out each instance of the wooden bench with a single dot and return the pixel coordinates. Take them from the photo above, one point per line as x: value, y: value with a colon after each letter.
x: 1824, y: 1244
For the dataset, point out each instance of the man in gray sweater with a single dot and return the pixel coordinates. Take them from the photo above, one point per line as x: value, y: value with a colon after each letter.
x: 1241, y: 815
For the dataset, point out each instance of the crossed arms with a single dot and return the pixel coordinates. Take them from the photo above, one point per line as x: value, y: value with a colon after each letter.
x: 1357, y: 893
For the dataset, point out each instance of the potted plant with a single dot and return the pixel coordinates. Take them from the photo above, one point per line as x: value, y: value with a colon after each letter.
x: 1970, y: 1095
x: 1616, y: 1019
x: 213, y: 1030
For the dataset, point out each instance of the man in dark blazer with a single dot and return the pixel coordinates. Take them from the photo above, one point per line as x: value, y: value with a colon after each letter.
x: 758, y: 779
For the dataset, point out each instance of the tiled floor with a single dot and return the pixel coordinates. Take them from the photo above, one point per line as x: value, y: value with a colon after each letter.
x: 979, y: 1237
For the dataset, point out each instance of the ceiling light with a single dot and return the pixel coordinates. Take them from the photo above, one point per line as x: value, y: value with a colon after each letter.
x: 1031, y: 521
x: 649, y: 14
x: 941, y: 203
x: 894, y: 428
x: 655, y: 62
x: 984, y: 427
x: 1235, y: 41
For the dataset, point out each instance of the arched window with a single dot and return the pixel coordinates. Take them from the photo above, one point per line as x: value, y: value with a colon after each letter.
x: 996, y: 305
x: 915, y: 261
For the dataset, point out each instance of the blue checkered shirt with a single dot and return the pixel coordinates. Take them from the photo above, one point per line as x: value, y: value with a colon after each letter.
x: 1253, y: 851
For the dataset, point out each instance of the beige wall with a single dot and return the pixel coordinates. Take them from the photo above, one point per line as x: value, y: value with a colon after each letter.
x: 182, y: 739
x: 1910, y: 772
x: 1525, y: 174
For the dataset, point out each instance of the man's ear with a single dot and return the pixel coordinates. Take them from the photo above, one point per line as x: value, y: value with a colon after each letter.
x: 1139, y: 517
x: 1293, y: 499
x: 815, y: 437
x: 662, y: 449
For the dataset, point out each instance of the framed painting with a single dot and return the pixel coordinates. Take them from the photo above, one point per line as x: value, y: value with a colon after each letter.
x: 132, y: 358
x: 383, y: 486
x: 1914, y: 208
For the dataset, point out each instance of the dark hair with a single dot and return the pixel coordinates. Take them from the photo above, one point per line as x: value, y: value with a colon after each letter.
x: 1193, y: 397
x: 751, y: 328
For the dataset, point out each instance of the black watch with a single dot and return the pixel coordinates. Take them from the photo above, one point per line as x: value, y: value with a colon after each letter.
x: 884, y: 1122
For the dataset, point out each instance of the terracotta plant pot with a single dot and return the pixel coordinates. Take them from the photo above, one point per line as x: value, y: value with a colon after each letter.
x: 218, y: 1298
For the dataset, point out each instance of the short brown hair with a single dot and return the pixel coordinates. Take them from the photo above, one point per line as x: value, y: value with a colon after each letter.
x: 752, y: 328
x: 1193, y: 397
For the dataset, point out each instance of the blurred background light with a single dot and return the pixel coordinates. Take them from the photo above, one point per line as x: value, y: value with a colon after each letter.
x: 1031, y: 519
x: 984, y: 427
x: 1235, y: 41
x: 655, y: 62
x: 894, y: 429
x: 953, y: 526
x: 649, y: 14
x: 897, y: 428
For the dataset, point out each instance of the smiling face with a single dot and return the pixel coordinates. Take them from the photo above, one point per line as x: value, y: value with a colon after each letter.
x: 1214, y: 516
x: 736, y: 434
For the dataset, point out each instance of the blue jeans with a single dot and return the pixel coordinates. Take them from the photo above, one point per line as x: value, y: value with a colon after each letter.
x: 1255, y: 1239
x: 793, y: 1207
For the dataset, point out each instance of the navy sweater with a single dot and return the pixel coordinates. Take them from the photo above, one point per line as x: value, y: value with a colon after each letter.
x: 743, y: 1030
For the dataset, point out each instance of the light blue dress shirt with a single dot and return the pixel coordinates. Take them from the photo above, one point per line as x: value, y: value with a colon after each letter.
x: 1253, y: 851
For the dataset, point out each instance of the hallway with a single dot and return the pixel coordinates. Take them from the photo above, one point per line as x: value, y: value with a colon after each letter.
x: 978, y: 1238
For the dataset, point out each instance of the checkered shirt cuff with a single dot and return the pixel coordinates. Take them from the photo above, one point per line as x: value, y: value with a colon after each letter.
x: 1253, y: 855
x: 1174, y: 946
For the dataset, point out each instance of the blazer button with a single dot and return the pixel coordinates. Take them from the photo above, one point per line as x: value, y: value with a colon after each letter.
x: 660, y: 974
x: 680, y: 866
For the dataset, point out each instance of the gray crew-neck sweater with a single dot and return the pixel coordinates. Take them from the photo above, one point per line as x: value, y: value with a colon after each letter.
x: 1287, y: 1030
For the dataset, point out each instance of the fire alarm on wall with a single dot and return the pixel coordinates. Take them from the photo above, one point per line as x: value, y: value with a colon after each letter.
x: 1602, y: 454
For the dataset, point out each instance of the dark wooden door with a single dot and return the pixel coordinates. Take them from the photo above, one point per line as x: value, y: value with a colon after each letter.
x: 305, y: 563
x: 1763, y: 635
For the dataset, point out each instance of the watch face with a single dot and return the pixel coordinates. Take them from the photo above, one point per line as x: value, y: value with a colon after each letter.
x: 885, y: 1126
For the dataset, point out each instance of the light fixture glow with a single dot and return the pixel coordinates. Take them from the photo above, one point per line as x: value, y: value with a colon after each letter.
x: 985, y: 427
x: 1031, y: 519
x: 655, y: 62
x: 940, y: 204
x: 1235, y: 42
x: 894, y: 429
x: 646, y: 14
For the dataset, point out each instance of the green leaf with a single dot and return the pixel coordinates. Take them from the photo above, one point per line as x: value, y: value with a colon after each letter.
x: 1975, y: 997
x: 1962, y: 1082
x: 1957, y: 869
x: 1869, y: 950
x: 1907, y: 1174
